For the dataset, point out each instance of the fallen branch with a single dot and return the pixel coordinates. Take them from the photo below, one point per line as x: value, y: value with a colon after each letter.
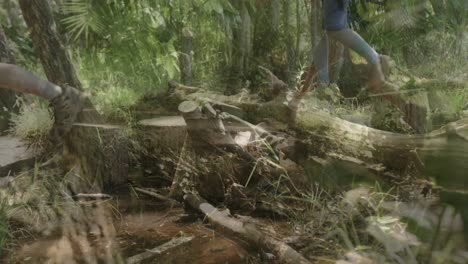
x: 272, y: 139
x: 154, y: 194
x: 93, y: 196
x: 247, y: 231
x: 175, y: 86
x: 175, y: 242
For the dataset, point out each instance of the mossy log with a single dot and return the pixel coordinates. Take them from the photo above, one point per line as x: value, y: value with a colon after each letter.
x: 319, y: 133
x: 15, y: 156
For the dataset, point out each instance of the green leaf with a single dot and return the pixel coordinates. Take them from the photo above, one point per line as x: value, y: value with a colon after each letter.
x: 214, y: 6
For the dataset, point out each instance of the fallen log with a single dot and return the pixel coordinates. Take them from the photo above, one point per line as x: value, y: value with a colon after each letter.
x: 15, y: 156
x: 206, y: 137
x: 244, y: 230
x: 397, y: 152
x: 321, y: 133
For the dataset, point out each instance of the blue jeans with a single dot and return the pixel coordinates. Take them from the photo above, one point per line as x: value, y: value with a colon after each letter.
x: 349, y: 39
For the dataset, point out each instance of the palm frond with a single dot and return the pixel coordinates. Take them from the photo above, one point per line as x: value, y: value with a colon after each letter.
x: 82, y: 18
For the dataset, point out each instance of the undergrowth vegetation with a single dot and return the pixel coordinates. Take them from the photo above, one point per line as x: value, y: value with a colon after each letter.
x: 33, y: 122
x: 5, y: 232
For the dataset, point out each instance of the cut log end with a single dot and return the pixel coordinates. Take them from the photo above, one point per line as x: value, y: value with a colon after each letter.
x: 188, y: 107
x: 166, y: 121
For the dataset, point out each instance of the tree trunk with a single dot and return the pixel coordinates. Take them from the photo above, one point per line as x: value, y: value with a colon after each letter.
x: 315, y: 24
x: 289, y: 43
x: 186, y: 56
x: 241, y: 47
x: 266, y: 33
x: 54, y: 57
x: 98, y: 157
x: 7, y: 97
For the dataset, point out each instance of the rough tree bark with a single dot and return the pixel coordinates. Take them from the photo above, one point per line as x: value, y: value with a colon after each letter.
x: 241, y: 47
x: 186, y: 56
x: 289, y: 43
x: 315, y: 22
x: 7, y: 97
x: 90, y: 152
x: 52, y: 53
x: 268, y: 48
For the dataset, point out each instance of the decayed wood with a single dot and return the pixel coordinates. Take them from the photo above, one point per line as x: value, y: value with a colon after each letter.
x: 150, y: 253
x: 166, y: 121
x: 263, y: 133
x: 189, y: 108
x: 162, y: 141
x: 177, y: 87
x: 204, y: 125
x: 248, y: 231
x: 205, y: 134
x: 395, y: 151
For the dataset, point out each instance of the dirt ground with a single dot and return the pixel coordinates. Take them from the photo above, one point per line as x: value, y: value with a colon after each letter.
x: 142, y: 225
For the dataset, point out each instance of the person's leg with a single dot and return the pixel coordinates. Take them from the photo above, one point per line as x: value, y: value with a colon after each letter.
x: 354, y: 41
x: 321, y: 60
x: 65, y: 101
x: 15, y: 78
x: 414, y: 114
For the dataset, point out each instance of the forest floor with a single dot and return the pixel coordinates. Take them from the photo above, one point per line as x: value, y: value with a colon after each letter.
x: 330, y: 230
x: 143, y: 225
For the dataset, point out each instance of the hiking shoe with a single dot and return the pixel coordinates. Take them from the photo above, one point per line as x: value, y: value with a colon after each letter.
x: 376, y: 78
x: 65, y: 107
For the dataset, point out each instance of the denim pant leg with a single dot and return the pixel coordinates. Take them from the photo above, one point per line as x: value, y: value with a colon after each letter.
x: 354, y: 41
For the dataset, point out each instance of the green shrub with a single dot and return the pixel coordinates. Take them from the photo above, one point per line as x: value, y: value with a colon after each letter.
x: 33, y: 122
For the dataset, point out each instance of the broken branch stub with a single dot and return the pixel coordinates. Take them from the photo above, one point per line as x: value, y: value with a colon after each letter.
x: 189, y: 108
